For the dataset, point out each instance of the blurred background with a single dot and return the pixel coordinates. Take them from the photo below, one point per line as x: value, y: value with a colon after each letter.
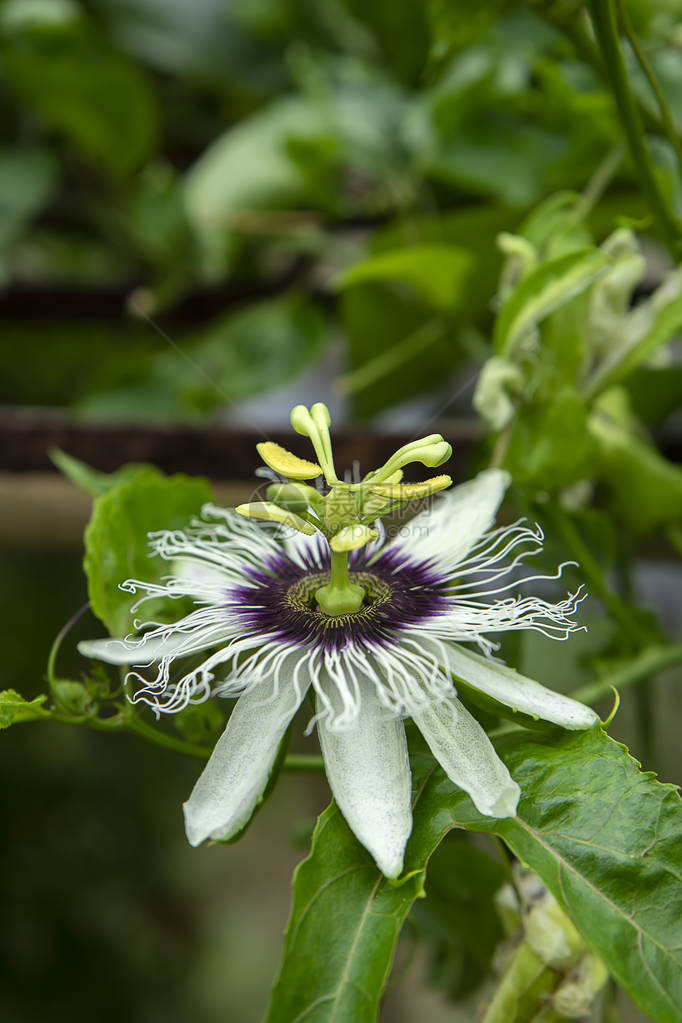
x: 208, y: 213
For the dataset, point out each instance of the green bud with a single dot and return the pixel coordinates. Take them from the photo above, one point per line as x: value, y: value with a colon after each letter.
x: 431, y: 451
x: 295, y: 497
x: 349, y: 538
x: 575, y: 998
x: 551, y: 934
x: 301, y: 420
x: 500, y: 381
x: 315, y: 425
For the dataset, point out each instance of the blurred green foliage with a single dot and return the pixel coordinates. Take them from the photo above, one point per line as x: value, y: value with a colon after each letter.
x: 264, y: 178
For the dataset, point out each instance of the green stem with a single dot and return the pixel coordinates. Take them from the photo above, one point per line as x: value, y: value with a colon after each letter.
x: 379, y: 367
x: 189, y: 749
x: 338, y: 575
x: 501, y: 444
x: 667, y: 122
x: 604, y: 20
x: 54, y: 650
x: 643, y: 666
x: 598, y: 183
x: 296, y: 763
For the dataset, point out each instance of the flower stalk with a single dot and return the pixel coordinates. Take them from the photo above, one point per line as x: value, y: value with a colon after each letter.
x: 340, y: 596
x: 605, y: 21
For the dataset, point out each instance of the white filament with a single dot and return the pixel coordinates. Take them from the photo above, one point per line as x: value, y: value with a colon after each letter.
x: 408, y: 668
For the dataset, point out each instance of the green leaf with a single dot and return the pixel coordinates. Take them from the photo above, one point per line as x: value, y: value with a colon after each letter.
x: 116, y: 537
x: 14, y: 708
x: 651, y: 325
x: 550, y: 446
x: 646, y: 488
x: 508, y: 160
x: 546, y: 289
x: 156, y: 217
x: 555, y: 222
x: 471, y: 228
x: 401, y: 30
x: 605, y: 839
x: 438, y: 273
x: 344, y: 925
x: 655, y: 392
x: 91, y: 480
x: 256, y: 349
x: 99, y: 101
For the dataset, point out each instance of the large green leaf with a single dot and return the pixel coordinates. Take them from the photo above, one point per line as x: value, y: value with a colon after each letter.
x: 504, y: 159
x: 605, y: 838
x: 396, y: 347
x: 116, y: 546
x: 401, y: 30
x: 256, y: 349
x: 472, y: 228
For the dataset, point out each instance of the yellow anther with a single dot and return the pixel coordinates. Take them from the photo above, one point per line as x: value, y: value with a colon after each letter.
x: 411, y: 491
x: 286, y: 463
x: 273, y: 513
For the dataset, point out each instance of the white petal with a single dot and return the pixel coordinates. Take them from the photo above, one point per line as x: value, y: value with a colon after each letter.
x: 467, y: 756
x: 369, y: 773
x: 122, y: 651
x: 231, y: 784
x: 456, y: 520
x: 516, y: 691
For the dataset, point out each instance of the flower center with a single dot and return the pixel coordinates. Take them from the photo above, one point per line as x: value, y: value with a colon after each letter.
x: 346, y: 515
x: 301, y: 597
